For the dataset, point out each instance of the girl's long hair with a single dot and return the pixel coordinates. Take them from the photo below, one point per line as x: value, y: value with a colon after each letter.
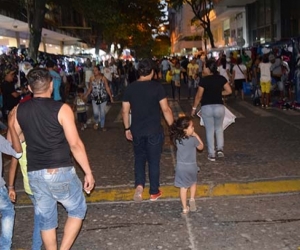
x: 177, y: 129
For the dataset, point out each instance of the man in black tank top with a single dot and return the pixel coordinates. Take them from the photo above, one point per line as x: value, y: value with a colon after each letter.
x: 51, y: 134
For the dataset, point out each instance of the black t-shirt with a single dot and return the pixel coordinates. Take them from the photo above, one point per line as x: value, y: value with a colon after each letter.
x: 144, y: 98
x: 213, y: 86
x: 9, y: 101
x: 47, y: 146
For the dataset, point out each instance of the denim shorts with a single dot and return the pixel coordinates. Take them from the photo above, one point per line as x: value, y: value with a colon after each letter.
x: 63, y: 186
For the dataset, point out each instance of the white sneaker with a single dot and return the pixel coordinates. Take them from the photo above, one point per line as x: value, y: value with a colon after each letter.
x: 84, y: 125
x: 138, y: 194
x: 220, y: 153
x: 211, y: 158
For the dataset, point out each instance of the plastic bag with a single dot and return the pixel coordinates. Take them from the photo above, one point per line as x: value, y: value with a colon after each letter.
x: 169, y: 76
x: 229, y: 118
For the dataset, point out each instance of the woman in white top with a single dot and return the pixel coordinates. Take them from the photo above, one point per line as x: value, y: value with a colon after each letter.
x: 239, y: 73
x: 265, y: 81
x: 224, y: 68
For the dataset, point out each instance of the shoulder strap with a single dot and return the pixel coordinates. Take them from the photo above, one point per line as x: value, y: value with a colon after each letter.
x: 240, y: 69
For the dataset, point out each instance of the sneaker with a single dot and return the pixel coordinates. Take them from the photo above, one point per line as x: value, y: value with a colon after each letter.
x: 220, y: 153
x: 262, y: 106
x: 137, y: 197
x: 211, y: 158
x: 154, y: 197
x: 84, y: 125
x: 96, y: 126
x: 193, y: 205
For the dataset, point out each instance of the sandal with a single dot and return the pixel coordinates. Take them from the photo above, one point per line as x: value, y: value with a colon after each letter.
x: 185, y: 211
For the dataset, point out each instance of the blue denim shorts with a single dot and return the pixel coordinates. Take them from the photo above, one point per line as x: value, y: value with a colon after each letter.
x: 63, y: 186
x: 5, y: 203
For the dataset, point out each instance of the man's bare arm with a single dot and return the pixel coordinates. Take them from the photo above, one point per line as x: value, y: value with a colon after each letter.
x: 167, y: 111
x: 67, y: 120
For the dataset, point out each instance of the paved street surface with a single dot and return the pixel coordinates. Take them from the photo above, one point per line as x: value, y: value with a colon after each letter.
x: 261, y: 157
x: 234, y: 223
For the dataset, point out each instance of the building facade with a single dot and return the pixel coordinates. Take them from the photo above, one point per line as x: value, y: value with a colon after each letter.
x: 237, y: 23
x: 273, y: 20
x: 56, y: 39
x: 185, y: 37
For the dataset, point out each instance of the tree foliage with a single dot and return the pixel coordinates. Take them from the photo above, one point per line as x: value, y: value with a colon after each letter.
x: 201, y: 10
x: 161, y: 46
x: 127, y: 22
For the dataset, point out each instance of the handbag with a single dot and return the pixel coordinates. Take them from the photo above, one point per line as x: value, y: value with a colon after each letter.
x: 247, y: 88
x: 98, y: 99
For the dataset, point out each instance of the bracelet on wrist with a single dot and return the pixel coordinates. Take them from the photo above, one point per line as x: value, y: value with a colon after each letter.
x: 10, y: 187
x: 126, y: 129
x: 193, y: 108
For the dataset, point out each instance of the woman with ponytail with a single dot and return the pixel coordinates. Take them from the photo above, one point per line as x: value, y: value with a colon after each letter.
x: 209, y: 94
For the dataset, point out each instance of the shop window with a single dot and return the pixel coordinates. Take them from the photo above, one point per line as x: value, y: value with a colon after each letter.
x: 240, y: 32
x: 233, y: 35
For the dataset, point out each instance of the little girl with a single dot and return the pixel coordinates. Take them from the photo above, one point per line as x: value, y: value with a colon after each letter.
x: 187, y: 142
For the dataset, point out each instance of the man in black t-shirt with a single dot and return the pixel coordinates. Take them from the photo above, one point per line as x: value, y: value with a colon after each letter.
x: 145, y: 99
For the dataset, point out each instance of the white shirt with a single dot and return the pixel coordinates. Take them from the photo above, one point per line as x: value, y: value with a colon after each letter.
x: 88, y: 72
x: 107, y: 72
x: 238, y: 70
x: 265, y: 71
x: 223, y: 72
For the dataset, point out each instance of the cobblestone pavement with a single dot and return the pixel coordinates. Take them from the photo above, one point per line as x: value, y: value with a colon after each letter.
x: 262, y: 146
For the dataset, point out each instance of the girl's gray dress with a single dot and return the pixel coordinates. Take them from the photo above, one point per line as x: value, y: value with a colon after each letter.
x: 186, y: 165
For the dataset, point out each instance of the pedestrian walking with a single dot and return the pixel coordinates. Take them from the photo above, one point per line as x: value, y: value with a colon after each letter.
x: 7, y: 210
x: 192, y: 70
x: 265, y: 81
x: 210, y: 91
x: 187, y: 142
x: 146, y: 98
x: 36, y: 235
x: 51, y: 136
x: 100, y: 92
x: 56, y: 79
x: 80, y: 108
x: 239, y: 76
x: 11, y: 96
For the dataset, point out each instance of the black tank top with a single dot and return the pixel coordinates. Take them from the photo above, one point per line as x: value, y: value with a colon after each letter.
x: 47, y: 146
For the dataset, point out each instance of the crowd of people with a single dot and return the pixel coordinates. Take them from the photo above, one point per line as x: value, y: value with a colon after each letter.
x: 42, y: 126
x: 243, y: 70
